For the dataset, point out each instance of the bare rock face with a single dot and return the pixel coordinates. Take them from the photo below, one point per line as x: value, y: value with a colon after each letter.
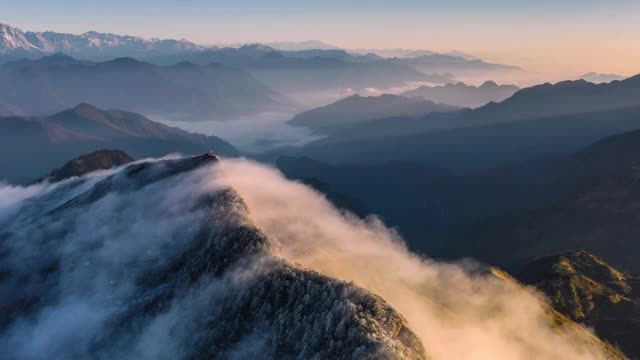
x: 148, y: 261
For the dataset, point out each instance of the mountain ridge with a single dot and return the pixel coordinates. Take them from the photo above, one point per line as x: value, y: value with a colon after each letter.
x: 190, y: 93
x: 47, y: 141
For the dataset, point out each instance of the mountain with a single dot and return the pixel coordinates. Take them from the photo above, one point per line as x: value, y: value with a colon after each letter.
x: 44, y: 142
x: 16, y: 44
x: 398, y: 192
x: 567, y: 97
x: 292, y: 69
x: 454, y: 183
x: 356, y: 110
x: 175, y: 259
x: 459, y: 65
x: 183, y: 91
x: 198, y: 280
x: 84, y: 164
x: 597, y: 78
x: 594, y: 208
x: 589, y: 291
x: 434, y: 140
x: 536, y: 122
x: 464, y: 95
x: 291, y: 72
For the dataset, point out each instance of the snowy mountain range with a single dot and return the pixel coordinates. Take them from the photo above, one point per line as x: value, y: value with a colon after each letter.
x: 91, y: 45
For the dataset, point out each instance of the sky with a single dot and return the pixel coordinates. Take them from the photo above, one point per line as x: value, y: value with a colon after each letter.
x: 559, y: 37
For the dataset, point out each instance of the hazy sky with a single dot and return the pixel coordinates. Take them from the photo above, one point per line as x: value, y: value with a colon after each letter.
x: 561, y: 37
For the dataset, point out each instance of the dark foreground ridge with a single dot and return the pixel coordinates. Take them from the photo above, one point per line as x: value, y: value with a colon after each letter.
x: 151, y: 263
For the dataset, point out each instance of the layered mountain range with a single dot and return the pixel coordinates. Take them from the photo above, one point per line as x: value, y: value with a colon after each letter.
x: 502, y: 192
x: 533, y: 123
x: 182, y: 91
x: 464, y: 95
x: 287, y: 71
x: 356, y: 110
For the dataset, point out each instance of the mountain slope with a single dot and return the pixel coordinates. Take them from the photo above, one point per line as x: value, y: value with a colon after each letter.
x: 182, y: 91
x: 586, y: 289
x: 45, y: 142
x: 464, y: 95
x: 595, y: 208
x: 356, y: 110
x: 205, y: 284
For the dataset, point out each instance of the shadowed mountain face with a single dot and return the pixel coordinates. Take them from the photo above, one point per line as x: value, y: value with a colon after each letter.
x: 467, y: 148
x: 98, y: 160
x: 464, y: 95
x: 183, y: 91
x: 586, y: 199
x: 592, y: 201
x: 586, y: 289
x: 46, y: 142
x: 356, y: 110
x: 172, y: 274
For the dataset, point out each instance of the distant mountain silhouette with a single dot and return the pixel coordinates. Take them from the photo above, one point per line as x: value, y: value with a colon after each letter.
x: 312, y: 70
x: 535, y: 122
x: 589, y: 291
x: 46, y: 142
x: 597, y: 78
x: 183, y: 91
x: 464, y: 95
x: 454, y: 63
x: 356, y: 110
x: 567, y: 97
x: 84, y: 164
x: 286, y: 67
